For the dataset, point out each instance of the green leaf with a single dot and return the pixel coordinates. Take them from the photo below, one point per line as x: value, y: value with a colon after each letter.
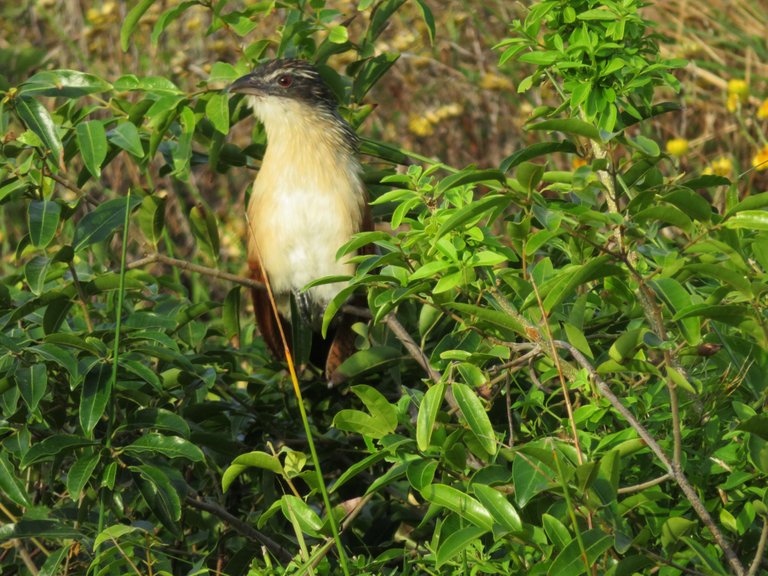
x: 38, y: 119
x: 113, y: 534
x: 217, y: 111
x: 126, y: 136
x: 575, y: 277
x: 151, y: 218
x: 299, y: 512
x: 168, y: 17
x: 456, y: 542
x: 748, y: 219
x: 230, y: 313
x: 92, y: 142
x: 102, y: 222
x: 42, y: 529
x: 757, y: 425
x: 131, y: 21
x: 377, y: 404
x: 474, y: 413
x: 52, y: 446
x: 63, y: 83
x: 79, y: 474
x: 500, y: 508
x: 10, y: 484
x: 160, y: 495
x: 428, y: 410
x: 536, y: 150
x: 428, y: 18
x: 250, y: 460
x: 489, y: 316
x: 338, y: 35
x: 570, y: 560
x: 33, y: 383
x: 469, y: 176
x: 43, y: 217
x: 486, y: 206
x: 460, y: 503
x: 569, y: 126
x: 96, y: 392
x: 421, y: 473
x: 529, y: 476
x: 170, y: 446
x: 205, y: 229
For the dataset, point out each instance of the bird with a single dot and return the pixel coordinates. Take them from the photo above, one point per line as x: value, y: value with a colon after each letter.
x: 307, y: 200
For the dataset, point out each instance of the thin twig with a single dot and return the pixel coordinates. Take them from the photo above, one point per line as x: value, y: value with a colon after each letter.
x: 241, y: 527
x: 759, y: 553
x: 643, y: 485
x: 184, y: 265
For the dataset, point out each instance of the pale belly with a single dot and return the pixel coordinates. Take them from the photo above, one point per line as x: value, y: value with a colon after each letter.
x: 296, y: 235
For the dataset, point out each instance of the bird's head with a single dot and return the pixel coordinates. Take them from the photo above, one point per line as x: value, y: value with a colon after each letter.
x: 286, y: 78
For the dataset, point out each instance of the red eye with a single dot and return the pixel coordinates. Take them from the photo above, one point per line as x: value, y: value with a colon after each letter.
x: 285, y: 81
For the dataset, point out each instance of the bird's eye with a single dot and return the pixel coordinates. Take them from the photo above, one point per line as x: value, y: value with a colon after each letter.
x: 285, y: 80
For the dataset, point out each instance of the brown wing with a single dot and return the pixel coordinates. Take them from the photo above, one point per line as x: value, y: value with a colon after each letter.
x: 265, y: 317
x: 343, y: 344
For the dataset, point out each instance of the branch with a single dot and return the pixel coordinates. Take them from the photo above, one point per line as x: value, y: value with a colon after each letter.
x: 755, y: 566
x: 673, y: 468
x: 184, y: 265
x: 239, y: 526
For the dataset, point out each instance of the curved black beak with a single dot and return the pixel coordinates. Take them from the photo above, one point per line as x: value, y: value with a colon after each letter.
x: 248, y: 84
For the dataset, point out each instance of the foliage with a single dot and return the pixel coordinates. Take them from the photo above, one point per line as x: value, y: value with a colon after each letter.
x: 564, y: 371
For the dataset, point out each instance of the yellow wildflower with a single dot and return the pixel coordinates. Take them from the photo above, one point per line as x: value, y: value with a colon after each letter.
x: 420, y: 126
x: 760, y: 160
x: 578, y: 162
x: 491, y: 81
x: 762, y: 112
x: 733, y: 102
x: 740, y: 88
x: 721, y: 166
x: 677, y: 147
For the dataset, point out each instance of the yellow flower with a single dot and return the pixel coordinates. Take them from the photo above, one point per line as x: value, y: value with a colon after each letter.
x: 721, y: 166
x: 738, y: 87
x: 420, y: 126
x: 491, y: 81
x: 677, y: 147
x: 760, y: 160
x: 578, y: 162
x: 733, y: 102
x: 762, y: 112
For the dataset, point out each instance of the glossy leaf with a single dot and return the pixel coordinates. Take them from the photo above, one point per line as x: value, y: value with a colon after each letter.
x: 32, y: 381
x: 44, y: 217
x: 102, y: 222
x: 474, y: 413
x: 38, y: 119
x: 80, y: 472
x: 570, y: 560
x: 10, y: 484
x: 460, y: 503
x: 52, y: 446
x: 96, y: 393
x: 132, y: 20
x: 169, y: 446
x: 500, y: 508
x: 92, y: 143
x: 457, y: 542
x: 63, y: 83
x: 428, y: 410
x: 126, y: 136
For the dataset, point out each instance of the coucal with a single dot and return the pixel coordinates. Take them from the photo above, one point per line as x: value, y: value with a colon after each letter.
x: 308, y: 199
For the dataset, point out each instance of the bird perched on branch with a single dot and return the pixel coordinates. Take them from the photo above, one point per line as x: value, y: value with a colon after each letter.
x: 308, y: 199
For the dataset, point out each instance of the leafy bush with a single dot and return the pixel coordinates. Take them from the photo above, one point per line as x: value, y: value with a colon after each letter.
x: 564, y: 370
